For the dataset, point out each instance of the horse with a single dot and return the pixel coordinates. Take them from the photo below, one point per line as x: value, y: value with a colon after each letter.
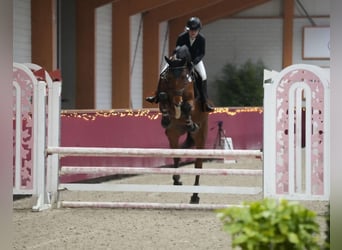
x: 181, y: 109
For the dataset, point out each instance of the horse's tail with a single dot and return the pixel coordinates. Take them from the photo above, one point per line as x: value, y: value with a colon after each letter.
x: 188, y: 142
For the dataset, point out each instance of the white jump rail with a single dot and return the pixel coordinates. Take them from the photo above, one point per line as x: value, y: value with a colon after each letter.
x: 160, y: 188
x: 137, y: 170
x: 139, y: 205
x: 152, y: 152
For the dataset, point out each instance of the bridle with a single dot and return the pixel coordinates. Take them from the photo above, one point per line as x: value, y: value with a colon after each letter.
x: 176, y: 79
x: 186, y: 81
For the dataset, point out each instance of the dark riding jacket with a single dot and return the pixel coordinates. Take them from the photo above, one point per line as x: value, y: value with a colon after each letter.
x: 197, y: 50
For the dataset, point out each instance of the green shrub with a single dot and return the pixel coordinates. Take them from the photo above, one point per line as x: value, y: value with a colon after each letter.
x: 269, y: 224
x: 327, y: 231
x: 240, y: 86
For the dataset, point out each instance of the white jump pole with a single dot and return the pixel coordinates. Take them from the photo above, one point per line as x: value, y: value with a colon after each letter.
x: 151, y: 152
x: 152, y: 188
x: 135, y: 170
x: 142, y: 205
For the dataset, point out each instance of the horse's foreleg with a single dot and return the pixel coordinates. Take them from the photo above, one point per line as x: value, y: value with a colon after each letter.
x: 195, y: 198
x: 165, y: 121
x: 173, y: 141
x: 176, y: 177
x: 186, y: 110
x: 164, y: 109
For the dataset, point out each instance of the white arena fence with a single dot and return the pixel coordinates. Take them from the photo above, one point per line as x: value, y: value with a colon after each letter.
x: 296, y: 160
x: 36, y: 108
x: 297, y: 133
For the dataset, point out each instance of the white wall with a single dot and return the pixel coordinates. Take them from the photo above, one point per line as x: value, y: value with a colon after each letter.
x: 313, y: 7
x: 103, y: 57
x: 103, y: 62
x: 238, y: 40
x: 22, y: 31
x: 164, y: 43
x: 136, y: 61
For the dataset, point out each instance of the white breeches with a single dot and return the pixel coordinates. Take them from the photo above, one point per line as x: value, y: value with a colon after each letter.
x: 199, y: 67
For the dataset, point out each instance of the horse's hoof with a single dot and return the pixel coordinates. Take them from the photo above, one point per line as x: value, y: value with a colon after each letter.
x: 189, y: 142
x: 194, y: 200
x: 177, y: 183
x: 165, y: 122
x: 196, y: 127
x: 192, y: 128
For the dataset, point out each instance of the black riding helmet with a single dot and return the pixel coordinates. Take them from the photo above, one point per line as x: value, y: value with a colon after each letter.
x: 194, y: 23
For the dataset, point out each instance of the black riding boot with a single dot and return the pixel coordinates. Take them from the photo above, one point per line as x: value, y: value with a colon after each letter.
x: 204, y: 97
x: 154, y: 99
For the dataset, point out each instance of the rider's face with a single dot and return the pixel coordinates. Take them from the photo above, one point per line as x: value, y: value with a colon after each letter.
x: 193, y: 33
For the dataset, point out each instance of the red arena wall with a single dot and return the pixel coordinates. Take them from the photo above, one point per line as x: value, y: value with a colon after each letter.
x: 142, y: 129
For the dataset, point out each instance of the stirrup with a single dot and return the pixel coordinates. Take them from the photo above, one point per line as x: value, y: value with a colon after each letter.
x: 208, y: 108
x: 151, y: 99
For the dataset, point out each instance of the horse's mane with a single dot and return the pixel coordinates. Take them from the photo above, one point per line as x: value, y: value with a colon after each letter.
x: 183, y: 53
x: 181, y: 56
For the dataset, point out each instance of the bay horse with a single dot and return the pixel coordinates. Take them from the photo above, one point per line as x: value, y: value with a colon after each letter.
x: 181, y: 109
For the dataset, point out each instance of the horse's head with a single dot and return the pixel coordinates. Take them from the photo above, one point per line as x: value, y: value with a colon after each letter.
x: 181, y: 56
x: 178, y: 82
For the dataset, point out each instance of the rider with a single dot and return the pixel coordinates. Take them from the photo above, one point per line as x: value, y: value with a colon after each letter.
x: 195, y: 41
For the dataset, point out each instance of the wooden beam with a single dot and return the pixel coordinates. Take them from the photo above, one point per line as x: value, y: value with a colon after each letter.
x: 175, y: 27
x: 179, y: 8
x: 99, y: 3
x: 85, y: 58
x: 137, y: 6
x: 225, y: 8
x: 150, y: 57
x: 120, y: 56
x: 43, y: 34
x: 288, y: 32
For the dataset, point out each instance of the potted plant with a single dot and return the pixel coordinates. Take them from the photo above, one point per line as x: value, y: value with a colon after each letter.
x: 271, y: 224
